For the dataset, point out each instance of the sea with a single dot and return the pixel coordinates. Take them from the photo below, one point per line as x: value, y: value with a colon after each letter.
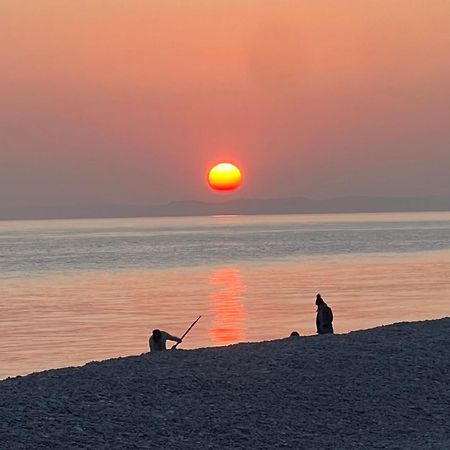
x: 74, y: 291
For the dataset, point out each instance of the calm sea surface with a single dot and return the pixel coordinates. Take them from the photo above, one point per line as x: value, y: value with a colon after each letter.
x: 77, y: 290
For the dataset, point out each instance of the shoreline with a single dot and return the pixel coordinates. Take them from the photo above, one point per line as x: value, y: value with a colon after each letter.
x: 386, y: 387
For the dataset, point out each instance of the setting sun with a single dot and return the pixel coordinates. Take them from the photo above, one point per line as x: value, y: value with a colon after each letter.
x: 224, y: 177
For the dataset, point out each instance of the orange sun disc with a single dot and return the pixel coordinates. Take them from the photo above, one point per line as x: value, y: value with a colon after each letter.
x: 224, y: 177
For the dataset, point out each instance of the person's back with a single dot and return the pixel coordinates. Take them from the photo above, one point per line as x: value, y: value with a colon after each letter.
x: 324, y: 318
x: 158, y: 339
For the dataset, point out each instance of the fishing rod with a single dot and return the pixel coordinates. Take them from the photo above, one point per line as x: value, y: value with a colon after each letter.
x: 186, y: 332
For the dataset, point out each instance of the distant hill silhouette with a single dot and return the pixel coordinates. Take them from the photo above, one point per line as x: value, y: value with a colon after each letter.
x: 297, y: 205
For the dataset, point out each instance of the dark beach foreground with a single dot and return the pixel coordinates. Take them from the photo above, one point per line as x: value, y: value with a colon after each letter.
x: 388, y: 387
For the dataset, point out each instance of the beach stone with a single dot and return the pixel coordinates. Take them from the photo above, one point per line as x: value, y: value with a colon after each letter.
x: 382, y: 388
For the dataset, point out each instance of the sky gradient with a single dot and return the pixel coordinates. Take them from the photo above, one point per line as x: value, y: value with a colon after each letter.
x: 132, y: 101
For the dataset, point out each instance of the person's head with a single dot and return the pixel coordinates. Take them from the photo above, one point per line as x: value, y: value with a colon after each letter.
x: 156, y: 335
x: 319, y: 300
x: 295, y: 334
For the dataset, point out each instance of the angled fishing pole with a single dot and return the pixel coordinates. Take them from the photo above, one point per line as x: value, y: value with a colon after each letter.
x: 186, y: 332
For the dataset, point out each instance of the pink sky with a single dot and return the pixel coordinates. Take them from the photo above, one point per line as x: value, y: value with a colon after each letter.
x: 130, y: 101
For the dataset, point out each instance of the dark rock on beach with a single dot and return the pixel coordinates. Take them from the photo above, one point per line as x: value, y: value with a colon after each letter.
x: 382, y: 388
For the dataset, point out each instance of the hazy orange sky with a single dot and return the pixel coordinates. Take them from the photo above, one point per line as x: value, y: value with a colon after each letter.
x: 130, y: 101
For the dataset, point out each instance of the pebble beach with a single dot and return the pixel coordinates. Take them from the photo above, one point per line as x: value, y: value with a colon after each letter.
x: 387, y: 387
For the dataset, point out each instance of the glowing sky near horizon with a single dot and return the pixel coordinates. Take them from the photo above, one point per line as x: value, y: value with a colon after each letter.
x: 132, y: 101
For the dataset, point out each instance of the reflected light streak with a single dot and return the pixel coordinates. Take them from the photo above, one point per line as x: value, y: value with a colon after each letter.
x: 228, y: 326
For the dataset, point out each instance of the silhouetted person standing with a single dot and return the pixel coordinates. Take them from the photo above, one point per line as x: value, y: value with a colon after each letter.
x: 324, y: 318
x: 158, y: 339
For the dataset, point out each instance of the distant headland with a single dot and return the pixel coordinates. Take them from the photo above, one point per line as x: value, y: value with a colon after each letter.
x: 242, y: 206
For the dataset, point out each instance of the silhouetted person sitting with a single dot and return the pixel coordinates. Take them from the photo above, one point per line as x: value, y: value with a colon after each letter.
x: 295, y: 334
x: 157, y: 341
x: 324, y: 318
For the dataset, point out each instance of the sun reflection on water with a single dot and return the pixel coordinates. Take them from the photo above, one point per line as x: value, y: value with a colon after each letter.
x: 228, y: 325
